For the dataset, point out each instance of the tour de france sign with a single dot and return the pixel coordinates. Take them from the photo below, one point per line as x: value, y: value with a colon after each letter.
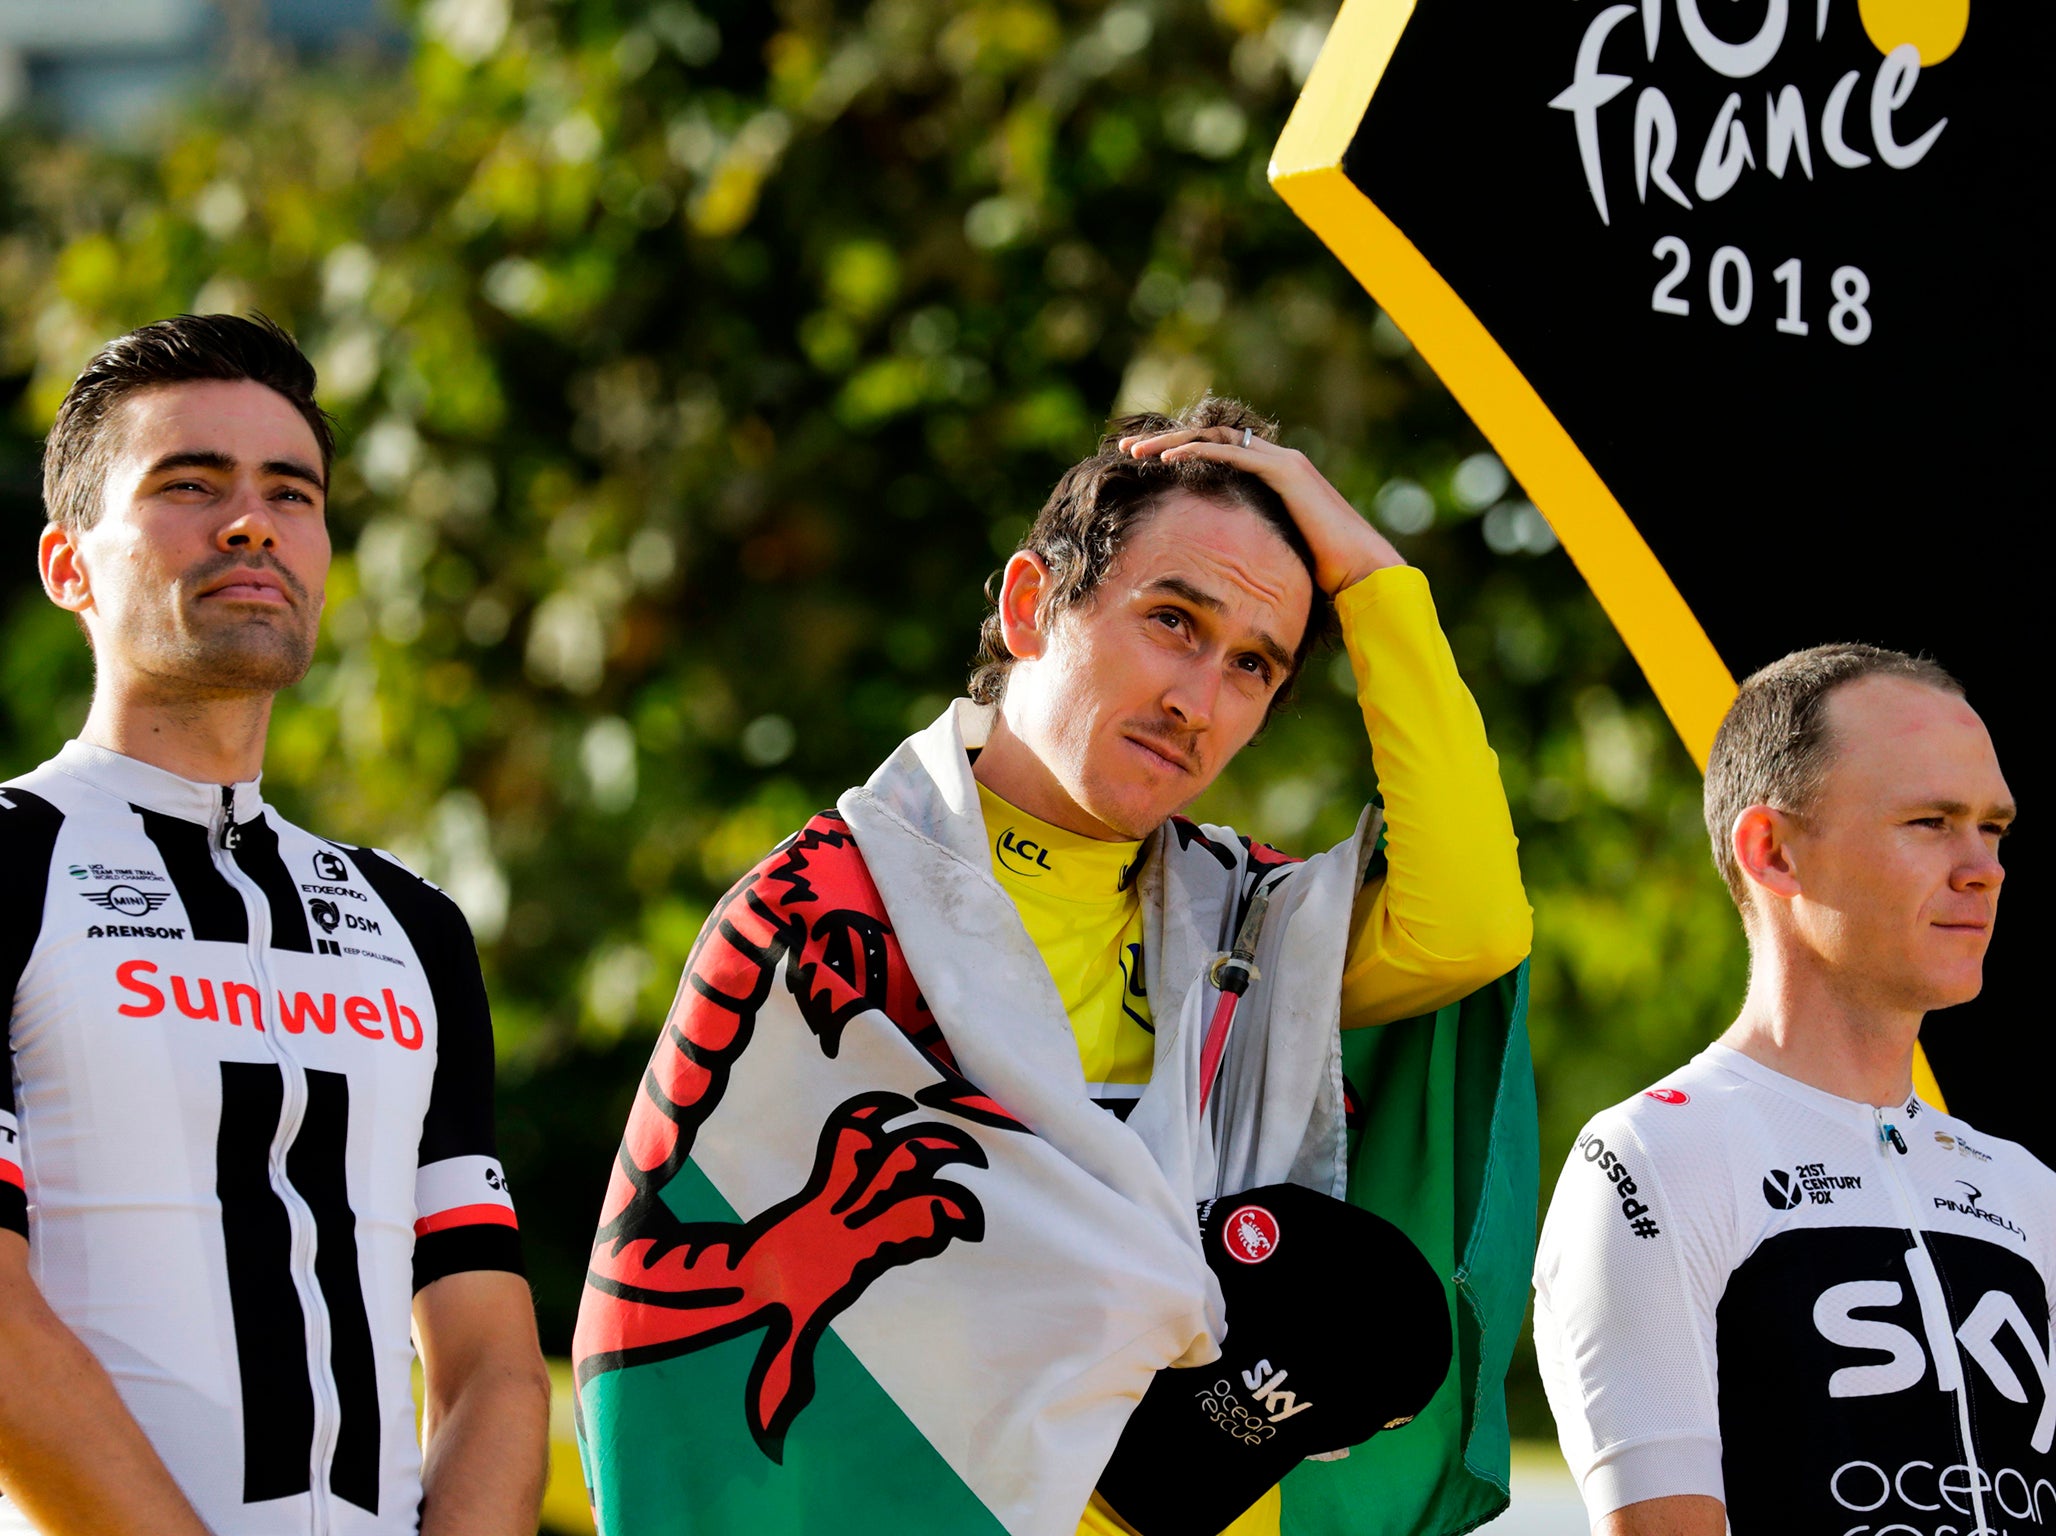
x: 1749, y: 296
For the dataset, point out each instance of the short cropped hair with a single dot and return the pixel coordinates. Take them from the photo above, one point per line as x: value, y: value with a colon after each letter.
x: 1100, y: 500
x: 185, y: 349
x: 1773, y: 747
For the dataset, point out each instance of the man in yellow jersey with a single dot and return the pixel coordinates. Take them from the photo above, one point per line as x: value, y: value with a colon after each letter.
x: 1142, y: 635
x: 1010, y: 931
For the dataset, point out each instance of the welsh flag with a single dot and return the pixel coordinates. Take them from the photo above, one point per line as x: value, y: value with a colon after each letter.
x: 838, y: 1288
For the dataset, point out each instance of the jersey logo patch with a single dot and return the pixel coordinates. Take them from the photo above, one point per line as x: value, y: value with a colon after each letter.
x: 127, y: 900
x: 1633, y: 1211
x: 1668, y: 1095
x: 1784, y: 1191
x: 1251, y: 1234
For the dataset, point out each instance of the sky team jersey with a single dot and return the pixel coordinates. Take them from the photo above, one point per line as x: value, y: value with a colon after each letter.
x: 250, y: 1114
x: 1834, y: 1318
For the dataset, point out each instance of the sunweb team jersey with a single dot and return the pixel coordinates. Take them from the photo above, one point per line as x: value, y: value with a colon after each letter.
x: 1833, y: 1317
x: 249, y: 1115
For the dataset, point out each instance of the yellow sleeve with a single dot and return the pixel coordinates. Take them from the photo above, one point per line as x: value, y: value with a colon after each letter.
x: 1449, y: 914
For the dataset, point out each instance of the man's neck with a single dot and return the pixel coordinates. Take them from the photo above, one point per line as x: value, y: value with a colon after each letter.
x: 1796, y: 1021
x: 1007, y: 767
x: 217, y: 740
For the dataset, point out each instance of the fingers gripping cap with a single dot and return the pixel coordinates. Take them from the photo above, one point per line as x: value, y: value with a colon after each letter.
x: 1338, y: 1327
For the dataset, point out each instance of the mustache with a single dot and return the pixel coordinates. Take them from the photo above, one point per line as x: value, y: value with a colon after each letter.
x: 245, y: 560
x: 1181, y: 745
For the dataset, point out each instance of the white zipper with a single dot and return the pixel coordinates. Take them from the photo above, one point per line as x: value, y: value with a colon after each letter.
x: 1934, y: 1308
x: 293, y: 1112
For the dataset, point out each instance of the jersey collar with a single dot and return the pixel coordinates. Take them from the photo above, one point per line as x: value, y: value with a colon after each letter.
x: 1029, y: 853
x: 1732, y: 1060
x: 154, y: 789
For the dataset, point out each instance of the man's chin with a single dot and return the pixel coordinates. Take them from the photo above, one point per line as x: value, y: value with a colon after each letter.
x: 1952, y: 990
x: 1130, y: 819
x: 253, y: 658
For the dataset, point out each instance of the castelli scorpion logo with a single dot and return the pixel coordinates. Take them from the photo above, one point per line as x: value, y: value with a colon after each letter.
x: 1251, y: 1234
x: 875, y: 1200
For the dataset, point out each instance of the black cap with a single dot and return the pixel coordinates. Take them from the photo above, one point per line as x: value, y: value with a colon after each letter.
x: 1338, y: 1327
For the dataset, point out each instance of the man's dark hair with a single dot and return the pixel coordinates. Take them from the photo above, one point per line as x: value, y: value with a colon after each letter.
x: 186, y: 349
x: 1099, y: 501
x: 1773, y: 747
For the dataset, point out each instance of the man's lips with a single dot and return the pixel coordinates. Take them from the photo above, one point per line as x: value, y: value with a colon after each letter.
x: 249, y: 585
x: 1164, y: 753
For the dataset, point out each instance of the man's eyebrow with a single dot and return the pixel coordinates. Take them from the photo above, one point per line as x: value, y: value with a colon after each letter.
x: 194, y: 458
x: 1178, y: 586
x: 226, y: 463
x: 1198, y: 597
x: 293, y: 469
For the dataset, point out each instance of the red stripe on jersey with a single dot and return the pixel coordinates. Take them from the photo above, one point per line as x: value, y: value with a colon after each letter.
x: 467, y: 1216
x: 10, y: 1173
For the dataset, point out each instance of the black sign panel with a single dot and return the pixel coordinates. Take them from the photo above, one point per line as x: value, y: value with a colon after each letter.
x: 1749, y: 295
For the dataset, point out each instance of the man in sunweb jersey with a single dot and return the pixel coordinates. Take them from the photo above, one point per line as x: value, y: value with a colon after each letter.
x: 248, y: 1141
x: 1779, y: 1291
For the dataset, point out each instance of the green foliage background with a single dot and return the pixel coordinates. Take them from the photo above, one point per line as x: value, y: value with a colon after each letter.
x: 695, y: 367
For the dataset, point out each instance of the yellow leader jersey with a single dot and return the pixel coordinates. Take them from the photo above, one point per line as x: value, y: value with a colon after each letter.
x: 1448, y: 916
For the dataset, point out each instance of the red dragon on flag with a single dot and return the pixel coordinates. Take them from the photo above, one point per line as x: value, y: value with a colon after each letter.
x: 659, y: 1287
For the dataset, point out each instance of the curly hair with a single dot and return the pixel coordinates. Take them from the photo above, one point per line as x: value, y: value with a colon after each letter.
x: 1101, y: 500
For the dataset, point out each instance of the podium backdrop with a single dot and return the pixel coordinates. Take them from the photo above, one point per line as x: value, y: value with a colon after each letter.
x: 1752, y: 298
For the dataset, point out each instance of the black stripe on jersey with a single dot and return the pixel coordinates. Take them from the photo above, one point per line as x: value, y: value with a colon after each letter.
x: 458, y: 1250
x: 315, y: 1167
x: 459, y: 1122
x: 212, y: 905
x: 256, y: 855
x: 271, y: 1331
x: 28, y: 838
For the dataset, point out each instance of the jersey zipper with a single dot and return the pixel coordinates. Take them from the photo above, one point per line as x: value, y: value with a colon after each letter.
x: 1934, y: 1306
x: 299, y: 1217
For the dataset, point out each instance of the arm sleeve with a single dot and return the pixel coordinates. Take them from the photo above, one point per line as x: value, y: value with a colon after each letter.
x: 1628, y: 1276
x: 1448, y: 914
x: 463, y: 1211
x: 28, y: 838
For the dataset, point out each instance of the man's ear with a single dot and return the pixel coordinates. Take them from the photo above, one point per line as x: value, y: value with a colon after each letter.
x: 63, y: 569
x: 1762, y: 844
x: 1021, y: 591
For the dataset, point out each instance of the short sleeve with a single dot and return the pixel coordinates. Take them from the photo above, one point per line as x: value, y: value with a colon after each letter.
x: 463, y: 1210
x: 28, y: 837
x: 1628, y: 1275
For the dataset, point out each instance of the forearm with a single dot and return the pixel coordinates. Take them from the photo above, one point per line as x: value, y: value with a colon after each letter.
x: 486, y: 1429
x: 485, y: 1455
x: 1685, y: 1514
x: 1450, y: 913
x: 71, y: 1454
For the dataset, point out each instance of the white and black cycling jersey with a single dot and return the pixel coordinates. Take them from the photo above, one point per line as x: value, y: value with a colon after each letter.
x: 1834, y: 1318
x: 249, y: 1115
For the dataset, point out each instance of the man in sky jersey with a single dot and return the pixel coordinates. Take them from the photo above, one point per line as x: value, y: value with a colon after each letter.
x: 1025, y: 887
x: 247, y: 1144
x: 1780, y: 1291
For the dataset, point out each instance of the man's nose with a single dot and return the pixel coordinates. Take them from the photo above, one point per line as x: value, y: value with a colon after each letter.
x: 1192, y: 696
x: 1979, y: 869
x: 250, y: 524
